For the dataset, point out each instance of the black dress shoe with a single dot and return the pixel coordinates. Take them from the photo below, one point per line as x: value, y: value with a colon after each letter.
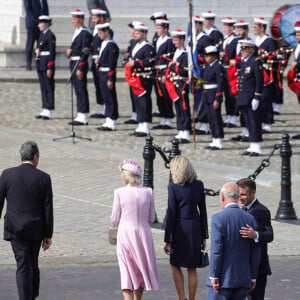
x: 141, y: 134
x: 38, y: 116
x: 231, y: 125
x: 249, y: 153
x: 215, y: 148
x: 296, y: 137
x: 201, y: 132
x: 159, y: 126
x: 46, y: 118
x: 183, y: 141
x: 77, y: 123
x: 104, y: 128
x: 167, y: 127
x: 156, y: 114
x: 97, y: 116
x: 130, y: 121
x: 276, y: 113
x: 265, y: 131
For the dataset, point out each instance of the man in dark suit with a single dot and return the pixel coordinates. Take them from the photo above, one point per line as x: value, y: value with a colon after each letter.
x: 94, y: 4
x: 28, y: 221
x: 34, y: 9
x: 262, y: 236
x: 233, y: 260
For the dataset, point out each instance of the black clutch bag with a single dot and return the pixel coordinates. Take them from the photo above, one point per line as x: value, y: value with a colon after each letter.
x: 204, y: 259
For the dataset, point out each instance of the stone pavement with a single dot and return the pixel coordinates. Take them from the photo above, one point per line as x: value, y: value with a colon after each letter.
x: 85, y: 174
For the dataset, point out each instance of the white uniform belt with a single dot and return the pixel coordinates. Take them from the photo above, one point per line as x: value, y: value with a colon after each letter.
x: 210, y: 86
x: 95, y: 56
x: 44, y: 53
x: 75, y: 57
x: 104, y: 69
x: 160, y: 67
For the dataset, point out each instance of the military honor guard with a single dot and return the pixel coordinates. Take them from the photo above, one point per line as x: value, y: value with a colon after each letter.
x: 45, y: 66
x: 107, y: 65
x: 213, y: 87
x: 267, y: 45
x: 202, y: 41
x: 178, y: 69
x: 78, y: 55
x: 211, y: 29
x: 227, y: 53
x: 164, y: 54
x: 141, y: 64
x: 249, y: 95
x: 98, y: 16
x: 130, y: 46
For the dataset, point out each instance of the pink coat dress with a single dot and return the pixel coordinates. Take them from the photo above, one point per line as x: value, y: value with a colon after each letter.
x: 133, y: 210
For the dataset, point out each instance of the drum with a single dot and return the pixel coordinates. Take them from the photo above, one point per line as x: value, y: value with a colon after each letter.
x: 283, y: 23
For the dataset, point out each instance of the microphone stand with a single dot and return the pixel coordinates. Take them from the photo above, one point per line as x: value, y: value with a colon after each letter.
x: 72, y: 134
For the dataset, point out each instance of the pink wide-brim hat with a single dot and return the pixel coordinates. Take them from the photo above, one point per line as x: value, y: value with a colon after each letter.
x: 131, y: 166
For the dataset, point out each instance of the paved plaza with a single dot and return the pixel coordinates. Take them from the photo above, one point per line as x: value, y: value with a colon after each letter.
x: 85, y: 174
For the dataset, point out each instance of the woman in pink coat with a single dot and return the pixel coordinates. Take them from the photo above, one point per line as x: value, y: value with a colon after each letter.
x: 133, y: 210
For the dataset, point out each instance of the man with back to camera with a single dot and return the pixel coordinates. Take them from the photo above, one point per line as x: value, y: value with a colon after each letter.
x: 234, y: 261
x: 28, y: 222
x: 262, y: 236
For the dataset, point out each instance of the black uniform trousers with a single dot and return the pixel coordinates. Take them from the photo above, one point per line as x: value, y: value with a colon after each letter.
x: 32, y: 36
x: 165, y: 104
x: 259, y: 292
x: 269, y: 93
x: 253, y: 122
x: 279, y: 91
x: 183, y: 116
x: 215, y: 121
x: 28, y: 274
x: 109, y: 96
x: 99, y: 99
x: 132, y: 100
x: 47, y: 89
x: 143, y: 104
x: 80, y: 86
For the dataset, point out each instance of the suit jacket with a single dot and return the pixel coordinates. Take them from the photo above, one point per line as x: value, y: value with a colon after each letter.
x: 265, y: 230
x: 250, y: 81
x: 29, y: 212
x: 33, y: 11
x: 233, y: 260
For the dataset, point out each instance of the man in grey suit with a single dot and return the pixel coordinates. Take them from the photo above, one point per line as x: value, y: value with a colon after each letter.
x: 28, y: 222
x: 234, y: 261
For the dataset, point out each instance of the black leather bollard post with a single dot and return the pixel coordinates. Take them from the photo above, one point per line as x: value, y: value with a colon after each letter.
x: 149, y: 156
x: 286, y: 210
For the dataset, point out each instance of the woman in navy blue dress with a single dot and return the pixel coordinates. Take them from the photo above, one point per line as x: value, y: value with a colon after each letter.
x: 186, y: 226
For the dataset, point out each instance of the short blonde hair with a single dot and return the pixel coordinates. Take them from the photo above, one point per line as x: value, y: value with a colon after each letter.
x: 182, y: 170
x: 130, y: 178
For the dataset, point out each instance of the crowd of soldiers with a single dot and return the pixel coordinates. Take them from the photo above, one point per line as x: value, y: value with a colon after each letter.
x: 212, y: 65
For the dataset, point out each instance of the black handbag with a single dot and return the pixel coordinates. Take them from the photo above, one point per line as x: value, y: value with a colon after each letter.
x: 204, y: 259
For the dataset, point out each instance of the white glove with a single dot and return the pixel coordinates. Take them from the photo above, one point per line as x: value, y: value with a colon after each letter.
x: 254, y: 104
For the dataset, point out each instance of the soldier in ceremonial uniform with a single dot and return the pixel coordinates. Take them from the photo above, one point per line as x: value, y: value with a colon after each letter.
x: 242, y: 31
x: 227, y: 53
x: 164, y: 54
x: 107, y: 64
x: 142, y: 60
x: 45, y: 65
x: 78, y: 54
x: 130, y: 46
x: 211, y: 29
x: 213, y: 87
x: 179, y: 73
x: 249, y: 95
x: 98, y: 16
x: 267, y: 44
x: 203, y: 41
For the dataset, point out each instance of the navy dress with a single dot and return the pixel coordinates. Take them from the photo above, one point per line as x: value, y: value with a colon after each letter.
x: 186, y: 224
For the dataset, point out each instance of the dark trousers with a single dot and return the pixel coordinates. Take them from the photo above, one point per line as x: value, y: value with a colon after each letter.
x: 215, y: 121
x: 227, y: 294
x: 279, y: 90
x: 80, y: 86
x: 183, y: 116
x: 110, y: 97
x: 47, y: 89
x: 165, y: 104
x: 99, y: 99
x: 253, y: 122
x: 143, y: 104
x: 28, y: 273
x: 259, y: 292
x: 269, y: 94
x: 32, y: 36
x: 132, y: 100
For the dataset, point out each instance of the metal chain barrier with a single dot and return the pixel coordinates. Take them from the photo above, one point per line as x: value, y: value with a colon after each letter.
x: 264, y: 164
